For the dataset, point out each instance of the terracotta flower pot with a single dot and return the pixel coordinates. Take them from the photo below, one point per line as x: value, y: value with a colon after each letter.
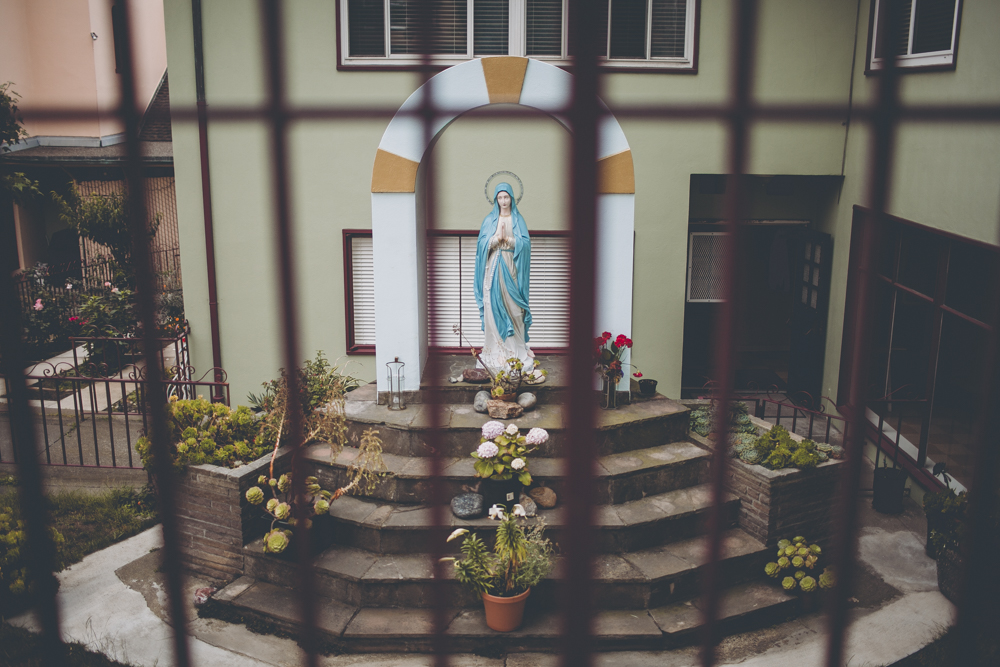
x: 504, y: 614
x: 509, y: 398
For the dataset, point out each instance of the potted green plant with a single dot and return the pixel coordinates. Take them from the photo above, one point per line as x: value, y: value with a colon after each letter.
x: 501, y: 461
x: 520, y: 559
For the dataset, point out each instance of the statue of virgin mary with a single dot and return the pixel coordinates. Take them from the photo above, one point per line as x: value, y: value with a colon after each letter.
x: 503, y: 260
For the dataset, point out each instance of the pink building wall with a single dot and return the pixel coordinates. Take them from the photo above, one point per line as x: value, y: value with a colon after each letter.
x: 50, y: 55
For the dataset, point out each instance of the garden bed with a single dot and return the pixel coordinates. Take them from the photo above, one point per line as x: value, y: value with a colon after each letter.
x: 776, y: 504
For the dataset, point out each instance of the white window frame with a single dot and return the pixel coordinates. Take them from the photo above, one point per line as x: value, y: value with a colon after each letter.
x: 517, y: 41
x: 933, y: 60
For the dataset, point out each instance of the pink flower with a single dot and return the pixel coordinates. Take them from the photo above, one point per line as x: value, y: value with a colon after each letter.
x: 38, y: 304
x: 107, y: 284
x: 492, y: 429
x: 536, y: 436
x: 114, y: 290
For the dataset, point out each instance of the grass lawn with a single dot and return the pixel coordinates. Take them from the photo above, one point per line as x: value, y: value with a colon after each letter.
x: 86, y: 523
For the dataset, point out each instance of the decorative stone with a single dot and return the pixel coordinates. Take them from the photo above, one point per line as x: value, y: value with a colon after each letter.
x: 530, y: 508
x: 503, y: 410
x: 527, y: 400
x: 479, y: 405
x: 467, y: 505
x: 457, y: 378
x: 544, y: 496
x: 475, y: 375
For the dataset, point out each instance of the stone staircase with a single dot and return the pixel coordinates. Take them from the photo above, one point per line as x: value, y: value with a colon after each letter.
x: 375, y: 582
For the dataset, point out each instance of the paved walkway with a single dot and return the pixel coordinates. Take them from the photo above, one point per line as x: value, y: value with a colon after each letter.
x: 114, y: 602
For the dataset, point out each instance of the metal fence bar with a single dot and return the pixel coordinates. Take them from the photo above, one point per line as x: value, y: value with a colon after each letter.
x: 144, y: 280
x: 741, y: 85
x: 271, y: 14
x: 577, y: 590
x: 879, y: 173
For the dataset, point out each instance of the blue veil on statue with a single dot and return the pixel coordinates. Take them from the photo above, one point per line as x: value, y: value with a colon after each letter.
x: 507, y: 323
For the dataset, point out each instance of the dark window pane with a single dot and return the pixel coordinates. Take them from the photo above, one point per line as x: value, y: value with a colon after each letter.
x: 489, y: 35
x: 668, y: 28
x: 911, y: 338
x: 932, y: 29
x: 448, y: 28
x: 887, y: 240
x: 957, y: 395
x: 543, y: 22
x: 628, y: 29
x: 973, y: 276
x: 918, y: 256
x: 899, y: 33
x: 880, y: 330
x: 366, y: 27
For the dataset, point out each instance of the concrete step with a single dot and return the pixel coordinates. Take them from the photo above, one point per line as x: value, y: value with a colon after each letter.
x: 355, y: 629
x: 391, y: 528
x: 621, y: 477
x: 453, y: 429
x: 641, y: 579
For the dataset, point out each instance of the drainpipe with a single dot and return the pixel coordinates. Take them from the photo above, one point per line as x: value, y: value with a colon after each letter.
x: 206, y: 197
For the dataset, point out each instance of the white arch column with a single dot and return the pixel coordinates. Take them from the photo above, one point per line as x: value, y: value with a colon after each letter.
x: 399, y: 232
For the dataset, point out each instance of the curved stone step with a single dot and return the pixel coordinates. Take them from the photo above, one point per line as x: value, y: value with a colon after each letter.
x: 412, y: 432
x: 621, y: 477
x: 390, y: 528
x: 637, y: 580
x: 349, y: 628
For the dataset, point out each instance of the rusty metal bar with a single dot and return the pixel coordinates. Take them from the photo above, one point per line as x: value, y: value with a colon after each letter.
x: 741, y: 84
x: 577, y: 589
x: 145, y: 281
x: 272, y: 18
x: 880, y: 168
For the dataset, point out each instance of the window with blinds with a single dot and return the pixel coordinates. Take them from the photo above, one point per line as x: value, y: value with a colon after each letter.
x: 648, y: 29
x: 360, y: 279
x: 706, y: 266
x: 656, y: 34
x: 453, y: 266
x: 924, y: 34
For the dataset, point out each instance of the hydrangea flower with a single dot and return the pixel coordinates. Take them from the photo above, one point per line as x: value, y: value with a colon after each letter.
x: 492, y: 429
x: 537, y: 436
x: 512, y: 429
x: 517, y: 464
x: 487, y: 450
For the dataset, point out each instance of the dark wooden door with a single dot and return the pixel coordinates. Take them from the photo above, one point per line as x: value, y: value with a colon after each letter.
x: 810, y: 304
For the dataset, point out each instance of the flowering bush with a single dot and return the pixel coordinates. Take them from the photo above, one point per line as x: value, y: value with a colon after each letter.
x: 47, y: 312
x: 503, y: 451
x: 608, y: 356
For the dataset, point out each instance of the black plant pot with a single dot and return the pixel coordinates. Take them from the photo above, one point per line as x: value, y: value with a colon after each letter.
x: 950, y: 565
x: 647, y: 387
x: 500, y: 492
x: 888, y: 488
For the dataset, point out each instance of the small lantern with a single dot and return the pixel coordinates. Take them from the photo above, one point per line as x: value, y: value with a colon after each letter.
x: 394, y: 373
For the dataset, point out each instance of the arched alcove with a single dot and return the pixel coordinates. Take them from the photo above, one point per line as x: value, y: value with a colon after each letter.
x: 398, y: 227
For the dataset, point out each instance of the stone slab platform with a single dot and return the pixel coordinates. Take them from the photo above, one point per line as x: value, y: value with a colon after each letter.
x: 642, y: 579
x: 381, y: 630
x: 621, y: 477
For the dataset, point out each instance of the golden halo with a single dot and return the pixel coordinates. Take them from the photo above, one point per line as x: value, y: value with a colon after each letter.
x: 489, y: 181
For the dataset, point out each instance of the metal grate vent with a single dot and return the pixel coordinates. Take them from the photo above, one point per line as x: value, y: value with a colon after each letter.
x: 706, y: 266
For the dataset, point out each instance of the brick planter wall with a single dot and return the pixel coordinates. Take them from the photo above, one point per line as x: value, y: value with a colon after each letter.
x: 215, y: 519
x: 776, y: 504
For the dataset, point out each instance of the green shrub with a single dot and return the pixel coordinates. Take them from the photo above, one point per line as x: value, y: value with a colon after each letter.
x: 14, y: 581
x: 776, y: 450
x: 204, y: 432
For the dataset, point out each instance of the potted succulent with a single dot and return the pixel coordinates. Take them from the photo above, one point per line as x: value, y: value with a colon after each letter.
x: 520, y: 559
x: 501, y: 461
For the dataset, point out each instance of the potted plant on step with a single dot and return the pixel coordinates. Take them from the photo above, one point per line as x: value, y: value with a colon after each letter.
x: 501, y: 461
x: 520, y: 559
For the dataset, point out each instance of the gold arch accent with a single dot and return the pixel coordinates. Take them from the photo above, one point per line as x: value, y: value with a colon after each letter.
x: 393, y: 173
x: 616, y: 174
x: 504, y: 78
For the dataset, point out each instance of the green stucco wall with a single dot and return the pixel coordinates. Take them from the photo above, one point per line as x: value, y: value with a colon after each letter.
x: 805, y: 50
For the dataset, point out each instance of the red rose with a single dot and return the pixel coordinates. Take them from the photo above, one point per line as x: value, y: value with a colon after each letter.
x: 628, y: 342
x: 620, y: 341
x: 637, y: 374
x: 605, y: 336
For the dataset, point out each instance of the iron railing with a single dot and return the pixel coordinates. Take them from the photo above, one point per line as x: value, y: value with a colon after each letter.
x: 577, y: 605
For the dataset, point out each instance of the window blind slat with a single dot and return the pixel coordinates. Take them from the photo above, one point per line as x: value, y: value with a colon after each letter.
x: 490, y: 27
x: 668, y: 28
x: 448, y: 27
x: 363, y: 287
x: 934, y: 26
x: 901, y: 29
x: 628, y: 29
x: 543, y: 27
